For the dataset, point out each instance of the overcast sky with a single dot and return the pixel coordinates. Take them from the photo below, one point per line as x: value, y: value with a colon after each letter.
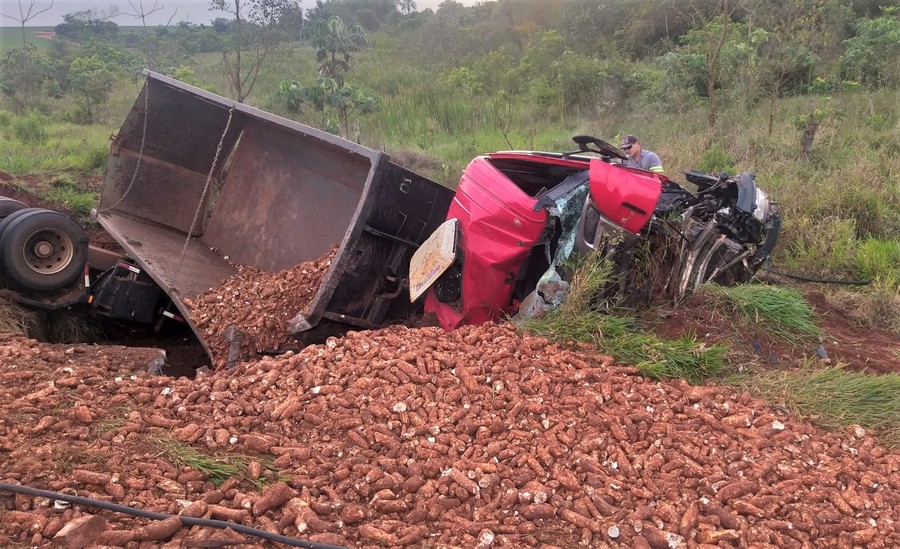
x: 195, y: 11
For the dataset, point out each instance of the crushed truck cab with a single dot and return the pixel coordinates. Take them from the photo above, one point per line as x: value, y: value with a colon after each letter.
x: 197, y: 183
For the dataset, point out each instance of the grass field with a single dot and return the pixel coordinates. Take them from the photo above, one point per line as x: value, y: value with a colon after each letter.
x: 11, y: 37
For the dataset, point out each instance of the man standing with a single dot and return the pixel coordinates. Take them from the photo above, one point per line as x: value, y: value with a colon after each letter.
x: 638, y: 157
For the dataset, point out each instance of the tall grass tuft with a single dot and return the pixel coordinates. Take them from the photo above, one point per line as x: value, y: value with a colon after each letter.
x: 783, y: 311
x: 38, y: 145
x: 67, y: 193
x: 582, y: 318
x: 879, y: 261
x: 834, y: 398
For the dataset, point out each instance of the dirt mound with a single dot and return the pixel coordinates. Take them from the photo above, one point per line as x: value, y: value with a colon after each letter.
x: 409, y: 437
x: 258, y: 303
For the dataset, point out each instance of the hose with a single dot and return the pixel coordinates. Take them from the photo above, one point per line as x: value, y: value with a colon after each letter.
x: 188, y: 521
x: 769, y: 269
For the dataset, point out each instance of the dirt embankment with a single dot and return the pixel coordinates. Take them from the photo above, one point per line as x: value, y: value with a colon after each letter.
x: 479, y: 437
x: 844, y: 340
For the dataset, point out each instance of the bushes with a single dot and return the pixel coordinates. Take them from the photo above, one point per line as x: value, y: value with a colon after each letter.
x: 31, y: 128
x: 716, y: 160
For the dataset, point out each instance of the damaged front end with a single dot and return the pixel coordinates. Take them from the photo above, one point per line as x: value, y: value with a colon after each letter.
x: 522, y: 215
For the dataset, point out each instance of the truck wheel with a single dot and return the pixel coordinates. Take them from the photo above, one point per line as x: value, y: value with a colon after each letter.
x: 9, y: 219
x: 8, y: 206
x: 3, y: 224
x: 42, y: 250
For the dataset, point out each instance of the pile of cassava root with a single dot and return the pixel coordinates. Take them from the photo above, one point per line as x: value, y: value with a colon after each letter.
x: 258, y: 303
x: 476, y: 438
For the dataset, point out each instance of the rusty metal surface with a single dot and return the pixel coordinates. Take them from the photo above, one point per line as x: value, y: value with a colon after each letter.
x: 162, y: 193
x: 282, y: 193
x: 287, y: 198
x: 181, y: 129
x: 102, y: 259
x: 157, y: 250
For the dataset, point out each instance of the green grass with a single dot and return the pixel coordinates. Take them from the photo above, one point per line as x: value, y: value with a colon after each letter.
x: 580, y: 319
x: 878, y: 260
x: 36, y: 144
x: 67, y: 193
x: 218, y: 468
x: 783, y: 312
x: 836, y: 398
x: 11, y: 37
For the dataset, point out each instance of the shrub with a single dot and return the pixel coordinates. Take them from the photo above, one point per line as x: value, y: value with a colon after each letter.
x: 78, y: 114
x: 31, y: 128
x: 716, y: 160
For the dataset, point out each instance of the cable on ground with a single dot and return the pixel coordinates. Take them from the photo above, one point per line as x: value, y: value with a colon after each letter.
x: 187, y: 521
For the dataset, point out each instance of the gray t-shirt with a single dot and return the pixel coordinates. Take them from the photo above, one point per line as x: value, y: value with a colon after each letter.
x: 649, y: 161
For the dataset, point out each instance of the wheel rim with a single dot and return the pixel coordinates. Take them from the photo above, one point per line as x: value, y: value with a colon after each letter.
x: 48, y: 251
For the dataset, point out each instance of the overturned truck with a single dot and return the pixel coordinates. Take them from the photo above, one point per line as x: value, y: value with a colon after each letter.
x: 198, y: 186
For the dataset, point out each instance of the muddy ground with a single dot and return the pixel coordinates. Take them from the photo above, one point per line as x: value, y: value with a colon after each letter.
x: 845, y: 339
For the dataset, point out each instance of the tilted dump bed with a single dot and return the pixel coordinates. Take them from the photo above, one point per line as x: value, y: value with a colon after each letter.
x: 278, y: 193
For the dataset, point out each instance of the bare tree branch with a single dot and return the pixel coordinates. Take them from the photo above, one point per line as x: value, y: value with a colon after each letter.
x: 26, y: 15
x: 139, y: 12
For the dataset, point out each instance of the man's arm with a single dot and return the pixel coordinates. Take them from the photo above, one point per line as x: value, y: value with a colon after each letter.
x: 654, y: 164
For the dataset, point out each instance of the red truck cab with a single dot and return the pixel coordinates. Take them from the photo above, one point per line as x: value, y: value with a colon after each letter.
x: 503, y: 206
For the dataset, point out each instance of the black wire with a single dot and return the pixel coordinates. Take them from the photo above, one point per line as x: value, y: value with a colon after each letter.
x: 818, y: 280
x: 189, y: 521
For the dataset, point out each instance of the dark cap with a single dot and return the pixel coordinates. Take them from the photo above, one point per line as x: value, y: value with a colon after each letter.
x: 628, y: 140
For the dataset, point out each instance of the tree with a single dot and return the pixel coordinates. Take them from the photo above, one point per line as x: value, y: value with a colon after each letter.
x: 335, y: 45
x: 872, y: 56
x: 93, y: 81
x: 138, y: 11
x: 255, y: 31
x: 23, y: 73
x: 26, y: 14
x: 785, y: 59
x: 345, y: 100
x: 710, y: 36
x: 85, y: 24
x: 407, y: 6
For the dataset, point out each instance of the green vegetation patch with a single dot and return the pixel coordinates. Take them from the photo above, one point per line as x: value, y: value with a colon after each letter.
x: 783, y: 311
x: 878, y: 260
x: 34, y: 144
x: 64, y: 191
x: 835, y: 398
x: 218, y: 468
x: 581, y: 318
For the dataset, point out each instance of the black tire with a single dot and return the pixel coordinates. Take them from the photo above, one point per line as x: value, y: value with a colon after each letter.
x: 3, y: 224
x: 9, y: 205
x: 9, y: 219
x: 42, y: 250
